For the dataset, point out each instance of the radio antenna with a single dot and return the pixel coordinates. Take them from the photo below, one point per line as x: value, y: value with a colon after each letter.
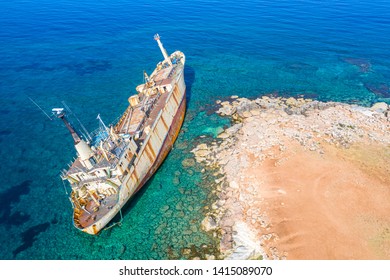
x: 39, y: 107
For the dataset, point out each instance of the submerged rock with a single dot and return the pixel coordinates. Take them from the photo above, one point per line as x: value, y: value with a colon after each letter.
x: 176, y: 181
x: 165, y: 208
x: 188, y: 162
x: 381, y: 89
x: 363, y: 64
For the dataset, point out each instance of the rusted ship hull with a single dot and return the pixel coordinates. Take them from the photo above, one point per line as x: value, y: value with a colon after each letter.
x: 151, y: 157
x: 115, y: 162
x: 168, y: 143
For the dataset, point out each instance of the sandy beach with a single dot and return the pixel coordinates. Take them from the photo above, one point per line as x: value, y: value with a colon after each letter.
x: 329, y: 206
x: 302, y: 180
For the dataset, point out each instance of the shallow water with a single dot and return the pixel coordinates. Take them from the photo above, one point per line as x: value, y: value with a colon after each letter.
x: 92, y: 55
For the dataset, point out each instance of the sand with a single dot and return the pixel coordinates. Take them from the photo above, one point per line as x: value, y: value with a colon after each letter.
x: 325, y: 206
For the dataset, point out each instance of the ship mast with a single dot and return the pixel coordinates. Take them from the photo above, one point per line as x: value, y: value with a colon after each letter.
x: 83, y: 148
x: 60, y: 113
x: 164, y: 52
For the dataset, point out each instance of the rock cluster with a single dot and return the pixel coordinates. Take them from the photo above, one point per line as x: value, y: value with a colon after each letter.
x: 258, y: 128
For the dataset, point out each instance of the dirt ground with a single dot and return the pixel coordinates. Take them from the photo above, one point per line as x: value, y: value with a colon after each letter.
x: 331, y: 205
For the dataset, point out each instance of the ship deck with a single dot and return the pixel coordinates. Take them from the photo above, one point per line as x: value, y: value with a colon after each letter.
x: 77, y: 167
x: 139, y: 119
x: 158, y: 106
x: 88, y: 215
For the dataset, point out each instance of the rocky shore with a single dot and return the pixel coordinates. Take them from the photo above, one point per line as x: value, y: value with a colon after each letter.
x: 300, y: 179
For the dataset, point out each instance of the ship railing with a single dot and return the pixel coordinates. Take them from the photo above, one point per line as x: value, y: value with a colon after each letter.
x: 100, y: 179
x: 71, y: 166
x: 64, y: 174
x: 94, y: 179
x: 104, y: 164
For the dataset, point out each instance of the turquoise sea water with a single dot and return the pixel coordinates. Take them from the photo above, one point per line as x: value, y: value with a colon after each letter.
x: 91, y: 54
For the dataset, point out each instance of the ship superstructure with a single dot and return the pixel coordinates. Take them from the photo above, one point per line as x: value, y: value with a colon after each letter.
x: 112, y: 166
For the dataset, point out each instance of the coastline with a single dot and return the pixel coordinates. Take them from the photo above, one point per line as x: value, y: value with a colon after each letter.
x: 301, y: 179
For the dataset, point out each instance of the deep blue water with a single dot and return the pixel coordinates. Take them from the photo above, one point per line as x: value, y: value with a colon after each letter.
x: 91, y: 54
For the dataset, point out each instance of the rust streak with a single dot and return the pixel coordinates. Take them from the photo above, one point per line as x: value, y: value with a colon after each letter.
x: 135, y: 175
x: 150, y: 157
x: 174, y: 97
x: 151, y: 149
x: 163, y: 121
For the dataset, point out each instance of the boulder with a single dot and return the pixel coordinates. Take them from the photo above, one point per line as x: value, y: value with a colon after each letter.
x: 202, y: 146
x: 291, y: 102
x: 223, y: 135
x: 246, y: 105
x: 209, y: 257
x: 227, y: 109
x: 209, y: 223
x: 233, y: 129
x: 201, y: 153
x: 379, y: 107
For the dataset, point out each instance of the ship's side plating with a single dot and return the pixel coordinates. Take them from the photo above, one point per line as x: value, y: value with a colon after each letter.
x: 155, y: 147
